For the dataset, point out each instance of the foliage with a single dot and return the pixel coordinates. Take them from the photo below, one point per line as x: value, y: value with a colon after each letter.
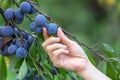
x: 37, y: 62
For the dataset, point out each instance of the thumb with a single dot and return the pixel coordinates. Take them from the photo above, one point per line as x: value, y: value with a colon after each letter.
x: 62, y: 36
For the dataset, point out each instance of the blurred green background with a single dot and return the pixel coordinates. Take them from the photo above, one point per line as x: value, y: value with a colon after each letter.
x: 91, y: 21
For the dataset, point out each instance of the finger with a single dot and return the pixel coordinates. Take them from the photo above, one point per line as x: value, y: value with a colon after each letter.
x: 55, y: 46
x: 50, y: 41
x: 57, y: 52
x: 45, y: 34
x: 62, y: 36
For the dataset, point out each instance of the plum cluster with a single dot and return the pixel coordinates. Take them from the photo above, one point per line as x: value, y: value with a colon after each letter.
x: 18, y: 15
x: 14, y: 41
x: 40, y: 22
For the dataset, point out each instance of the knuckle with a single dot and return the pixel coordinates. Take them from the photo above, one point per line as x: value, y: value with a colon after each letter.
x: 43, y: 44
x: 48, y: 47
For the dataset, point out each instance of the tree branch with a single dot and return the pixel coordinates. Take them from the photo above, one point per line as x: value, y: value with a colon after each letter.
x: 2, y: 13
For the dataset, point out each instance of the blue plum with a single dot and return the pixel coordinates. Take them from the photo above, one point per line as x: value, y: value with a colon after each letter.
x: 25, y: 34
x: 12, y: 49
x: 32, y: 26
x: 19, y: 17
x: 9, y: 14
x: 18, y: 21
x: 20, y: 43
x: 18, y: 14
x: 21, y: 52
x: 32, y: 9
x: 38, y: 30
x: 25, y: 7
x: 30, y: 39
x: 40, y: 19
x: 52, y: 28
x: 7, y: 31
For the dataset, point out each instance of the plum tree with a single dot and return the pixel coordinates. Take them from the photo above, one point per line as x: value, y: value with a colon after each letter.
x: 26, y: 46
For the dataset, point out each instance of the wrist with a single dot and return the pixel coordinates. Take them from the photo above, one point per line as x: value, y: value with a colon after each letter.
x: 92, y: 73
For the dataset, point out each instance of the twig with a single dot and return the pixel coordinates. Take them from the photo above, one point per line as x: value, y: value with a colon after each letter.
x: 2, y: 13
x: 37, y: 10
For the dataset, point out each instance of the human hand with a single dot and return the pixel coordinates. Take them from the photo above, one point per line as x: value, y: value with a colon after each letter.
x: 64, y: 53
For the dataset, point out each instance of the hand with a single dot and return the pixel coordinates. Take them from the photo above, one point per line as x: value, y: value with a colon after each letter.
x: 64, y: 53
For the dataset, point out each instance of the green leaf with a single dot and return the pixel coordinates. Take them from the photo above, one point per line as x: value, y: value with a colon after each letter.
x: 3, y: 71
x: 11, y: 75
x: 33, y: 49
x: 102, y: 66
x: 17, y: 1
x: 108, y: 47
x: 13, y: 61
x: 108, y: 50
x: 111, y: 72
x: 6, y: 3
x: 22, y: 71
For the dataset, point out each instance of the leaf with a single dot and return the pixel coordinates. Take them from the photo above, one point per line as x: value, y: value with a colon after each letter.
x: 108, y: 47
x: 11, y: 75
x: 108, y: 50
x: 33, y: 48
x: 102, y: 66
x: 111, y: 72
x: 22, y: 71
x: 6, y: 3
x: 17, y: 1
x: 3, y: 71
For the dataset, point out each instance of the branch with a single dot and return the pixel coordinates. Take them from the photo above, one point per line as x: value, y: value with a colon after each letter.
x: 2, y: 13
x: 37, y: 10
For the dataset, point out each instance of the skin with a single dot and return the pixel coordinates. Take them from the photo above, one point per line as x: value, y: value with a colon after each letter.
x: 67, y: 54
